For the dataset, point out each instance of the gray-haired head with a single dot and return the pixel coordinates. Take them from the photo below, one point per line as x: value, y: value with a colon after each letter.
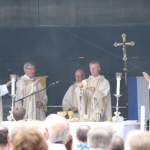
x: 29, y: 69
x: 99, y: 138
x: 58, y: 128
x: 138, y: 140
x: 27, y: 64
x: 94, y: 62
x: 117, y: 143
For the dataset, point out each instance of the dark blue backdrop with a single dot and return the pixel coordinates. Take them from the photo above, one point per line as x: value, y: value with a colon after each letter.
x: 57, y: 50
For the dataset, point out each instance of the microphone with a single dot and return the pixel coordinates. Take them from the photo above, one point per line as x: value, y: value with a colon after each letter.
x: 55, y: 82
x: 44, y: 89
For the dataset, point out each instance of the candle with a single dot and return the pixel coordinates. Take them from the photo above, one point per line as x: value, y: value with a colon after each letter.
x: 118, y: 78
x: 142, y: 117
x: 118, y: 87
x: 13, y: 84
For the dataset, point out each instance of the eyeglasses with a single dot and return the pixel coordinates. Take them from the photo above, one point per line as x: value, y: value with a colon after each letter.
x: 30, y: 68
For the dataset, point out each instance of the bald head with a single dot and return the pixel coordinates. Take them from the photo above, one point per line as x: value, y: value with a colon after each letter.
x: 58, y: 128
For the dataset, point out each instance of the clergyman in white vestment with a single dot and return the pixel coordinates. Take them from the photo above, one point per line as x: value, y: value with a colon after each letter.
x: 97, y: 94
x: 3, y: 91
x: 35, y: 105
x: 72, y: 99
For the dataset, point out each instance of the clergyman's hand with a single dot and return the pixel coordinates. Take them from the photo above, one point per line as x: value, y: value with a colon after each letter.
x: 74, y: 109
x: 146, y: 76
x: 92, y: 89
x: 8, y: 83
x: 81, y: 85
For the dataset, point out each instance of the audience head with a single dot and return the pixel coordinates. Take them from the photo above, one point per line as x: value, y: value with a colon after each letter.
x: 99, y: 138
x: 3, y: 136
x: 19, y: 113
x: 39, y: 125
x: 138, y: 140
x: 28, y: 139
x: 81, y: 133
x: 35, y: 124
x: 58, y: 128
x: 15, y: 126
x: 117, y: 143
x: 69, y: 142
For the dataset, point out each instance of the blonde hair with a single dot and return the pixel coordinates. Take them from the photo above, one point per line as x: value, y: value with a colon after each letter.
x: 29, y: 139
x: 138, y: 140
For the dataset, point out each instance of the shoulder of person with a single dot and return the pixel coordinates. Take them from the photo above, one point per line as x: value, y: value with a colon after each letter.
x: 23, y: 77
x: 102, y: 77
x: 19, y: 79
x: 72, y: 86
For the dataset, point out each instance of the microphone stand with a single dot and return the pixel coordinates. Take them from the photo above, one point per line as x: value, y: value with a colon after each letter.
x: 39, y: 91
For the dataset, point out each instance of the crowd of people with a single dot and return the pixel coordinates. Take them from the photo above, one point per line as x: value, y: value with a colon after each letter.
x: 54, y: 134
x: 32, y: 130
